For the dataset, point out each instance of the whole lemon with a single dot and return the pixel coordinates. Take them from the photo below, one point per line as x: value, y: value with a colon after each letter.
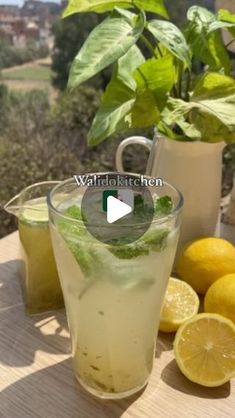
x: 204, y: 261
x: 220, y: 297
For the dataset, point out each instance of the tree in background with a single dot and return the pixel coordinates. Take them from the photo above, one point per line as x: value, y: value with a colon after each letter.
x: 4, y: 106
x: 11, y: 55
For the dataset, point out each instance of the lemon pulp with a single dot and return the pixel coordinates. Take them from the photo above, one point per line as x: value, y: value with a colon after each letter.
x: 205, y: 349
x: 181, y: 303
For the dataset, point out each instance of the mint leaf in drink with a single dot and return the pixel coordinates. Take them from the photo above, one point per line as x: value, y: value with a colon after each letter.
x: 153, y: 240
x: 82, y: 256
x: 163, y: 205
x: 72, y: 232
x: 129, y: 251
x: 156, y: 239
x: 74, y: 212
x: 141, y: 209
x: 72, y: 229
x: 138, y: 204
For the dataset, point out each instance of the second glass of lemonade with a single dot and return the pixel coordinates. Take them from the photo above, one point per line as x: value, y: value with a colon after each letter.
x: 113, y: 293
x: 39, y: 277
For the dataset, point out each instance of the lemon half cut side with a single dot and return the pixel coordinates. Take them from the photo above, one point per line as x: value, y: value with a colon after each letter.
x: 181, y: 303
x: 204, y: 349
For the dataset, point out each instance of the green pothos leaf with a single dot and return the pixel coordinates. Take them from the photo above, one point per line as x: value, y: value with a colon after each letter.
x: 205, y: 40
x: 108, y: 42
x: 209, y: 116
x: 101, y: 6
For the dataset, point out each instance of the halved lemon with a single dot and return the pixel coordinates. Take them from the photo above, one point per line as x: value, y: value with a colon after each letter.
x: 180, y: 304
x: 204, y: 349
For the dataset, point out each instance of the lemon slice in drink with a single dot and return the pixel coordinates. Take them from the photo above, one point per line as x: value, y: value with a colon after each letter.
x: 180, y: 304
x: 35, y: 211
x: 204, y: 349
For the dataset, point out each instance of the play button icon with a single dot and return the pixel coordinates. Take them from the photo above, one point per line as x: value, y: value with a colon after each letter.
x: 116, y: 209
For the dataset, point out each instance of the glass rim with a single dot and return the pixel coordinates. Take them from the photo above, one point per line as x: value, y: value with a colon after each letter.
x: 40, y: 183
x: 28, y: 188
x: 161, y: 219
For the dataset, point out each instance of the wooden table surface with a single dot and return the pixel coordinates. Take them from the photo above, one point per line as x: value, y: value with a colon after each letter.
x: 37, y: 381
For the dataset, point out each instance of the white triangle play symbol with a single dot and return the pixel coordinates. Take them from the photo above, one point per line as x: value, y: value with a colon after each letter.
x: 116, y: 209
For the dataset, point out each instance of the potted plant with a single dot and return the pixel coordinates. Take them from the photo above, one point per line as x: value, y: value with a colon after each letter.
x: 183, y: 86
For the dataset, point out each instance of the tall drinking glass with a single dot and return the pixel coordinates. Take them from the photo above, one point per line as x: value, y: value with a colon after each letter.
x: 113, y: 294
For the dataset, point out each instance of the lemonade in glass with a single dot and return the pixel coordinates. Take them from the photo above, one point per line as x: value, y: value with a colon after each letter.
x: 39, y: 278
x: 113, y: 293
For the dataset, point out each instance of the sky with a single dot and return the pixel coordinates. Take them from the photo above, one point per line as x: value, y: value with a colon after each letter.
x: 20, y: 2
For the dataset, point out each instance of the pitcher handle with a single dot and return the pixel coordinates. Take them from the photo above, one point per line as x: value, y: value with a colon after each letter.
x: 133, y: 140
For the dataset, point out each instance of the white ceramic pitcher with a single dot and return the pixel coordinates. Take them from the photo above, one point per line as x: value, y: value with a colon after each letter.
x: 195, y: 168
